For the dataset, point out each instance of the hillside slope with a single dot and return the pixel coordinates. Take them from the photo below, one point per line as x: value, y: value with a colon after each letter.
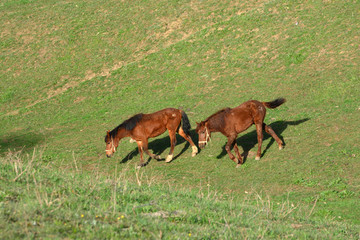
x: 70, y: 71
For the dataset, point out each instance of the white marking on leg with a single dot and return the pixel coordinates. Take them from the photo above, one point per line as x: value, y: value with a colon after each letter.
x: 132, y: 140
x: 169, y: 158
x: 257, y: 158
x: 194, y: 151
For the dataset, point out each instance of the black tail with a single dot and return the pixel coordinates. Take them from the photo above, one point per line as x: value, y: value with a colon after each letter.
x: 274, y: 104
x: 185, y: 123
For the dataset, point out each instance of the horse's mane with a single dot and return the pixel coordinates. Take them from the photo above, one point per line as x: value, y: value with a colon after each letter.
x: 217, y: 120
x: 128, y: 124
x: 219, y: 113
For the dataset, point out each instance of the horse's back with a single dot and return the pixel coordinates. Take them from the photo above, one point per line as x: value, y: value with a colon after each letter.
x: 246, y: 114
x: 250, y: 107
x: 161, y: 115
x: 156, y: 123
x: 254, y: 109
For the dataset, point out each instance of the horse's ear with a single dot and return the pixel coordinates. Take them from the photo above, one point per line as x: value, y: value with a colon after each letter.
x: 197, y: 123
x: 108, y: 133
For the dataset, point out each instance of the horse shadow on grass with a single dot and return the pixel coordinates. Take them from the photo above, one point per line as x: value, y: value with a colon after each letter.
x: 19, y: 141
x: 249, y: 140
x: 159, y: 145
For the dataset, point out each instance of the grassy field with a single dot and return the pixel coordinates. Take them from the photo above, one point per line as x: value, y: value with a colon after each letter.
x: 71, y: 70
x: 45, y: 202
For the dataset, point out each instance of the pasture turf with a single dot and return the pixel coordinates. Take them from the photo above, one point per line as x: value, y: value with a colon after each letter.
x: 71, y: 70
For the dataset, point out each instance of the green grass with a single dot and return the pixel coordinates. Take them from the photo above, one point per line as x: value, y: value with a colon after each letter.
x: 40, y: 201
x: 72, y: 70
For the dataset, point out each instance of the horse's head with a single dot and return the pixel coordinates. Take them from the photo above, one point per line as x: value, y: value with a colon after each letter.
x: 204, y: 134
x: 110, y: 145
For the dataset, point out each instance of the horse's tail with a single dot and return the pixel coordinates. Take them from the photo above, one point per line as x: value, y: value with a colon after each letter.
x: 185, y: 123
x: 274, y: 104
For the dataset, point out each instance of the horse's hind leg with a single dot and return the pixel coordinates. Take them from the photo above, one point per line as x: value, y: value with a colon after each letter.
x: 259, y: 132
x: 172, y: 135
x: 188, y: 138
x: 270, y: 131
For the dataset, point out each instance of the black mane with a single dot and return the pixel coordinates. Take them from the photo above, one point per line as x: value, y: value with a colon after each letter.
x: 128, y: 125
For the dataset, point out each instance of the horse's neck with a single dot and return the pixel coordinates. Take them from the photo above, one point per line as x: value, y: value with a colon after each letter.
x: 122, y: 132
x: 213, y: 126
x: 216, y: 123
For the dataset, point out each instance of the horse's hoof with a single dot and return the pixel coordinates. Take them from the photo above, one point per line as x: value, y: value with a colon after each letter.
x: 169, y: 158
x: 139, y: 166
x: 257, y: 158
x: 238, y: 165
x: 281, y: 147
x: 157, y: 157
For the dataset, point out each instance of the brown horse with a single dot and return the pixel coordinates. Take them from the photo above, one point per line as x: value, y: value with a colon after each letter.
x: 140, y: 127
x: 231, y: 121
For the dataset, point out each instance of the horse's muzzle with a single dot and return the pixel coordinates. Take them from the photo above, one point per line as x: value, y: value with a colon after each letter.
x: 109, y: 156
x: 202, y: 145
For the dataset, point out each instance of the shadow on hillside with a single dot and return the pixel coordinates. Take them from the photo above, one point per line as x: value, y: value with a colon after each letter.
x: 158, y: 146
x: 249, y: 140
x: 19, y: 141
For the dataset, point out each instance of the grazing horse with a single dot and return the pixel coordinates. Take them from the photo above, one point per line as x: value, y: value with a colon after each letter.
x: 232, y: 121
x: 140, y: 127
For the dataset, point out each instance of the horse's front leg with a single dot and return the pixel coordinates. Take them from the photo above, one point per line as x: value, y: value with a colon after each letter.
x: 145, y: 148
x: 228, y: 146
x: 139, y: 143
x: 172, y: 135
x: 241, y: 161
